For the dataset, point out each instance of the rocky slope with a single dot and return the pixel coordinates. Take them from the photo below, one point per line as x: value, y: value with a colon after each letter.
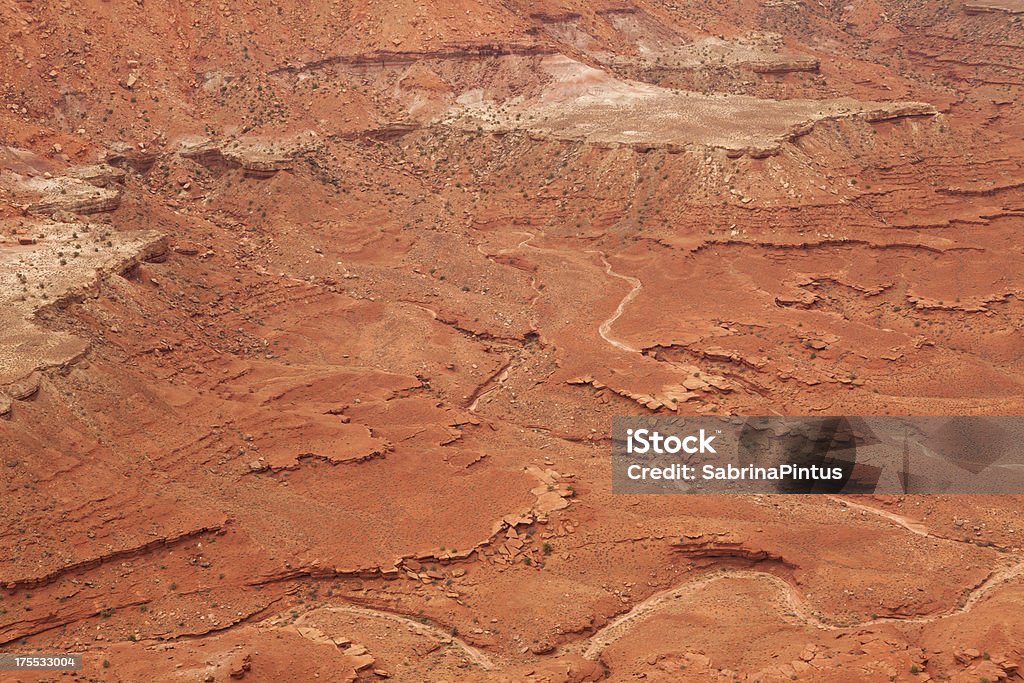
x: 313, y: 317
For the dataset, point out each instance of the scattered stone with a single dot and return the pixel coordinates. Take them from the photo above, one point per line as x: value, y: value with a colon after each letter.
x: 240, y: 666
x: 360, y: 662
x: 25, y: 388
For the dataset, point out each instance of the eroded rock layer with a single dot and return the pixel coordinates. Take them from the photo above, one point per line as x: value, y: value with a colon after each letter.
x: 313, y: 317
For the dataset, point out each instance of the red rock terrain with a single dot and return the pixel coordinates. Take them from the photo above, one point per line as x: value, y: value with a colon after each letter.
x: 315, y: 314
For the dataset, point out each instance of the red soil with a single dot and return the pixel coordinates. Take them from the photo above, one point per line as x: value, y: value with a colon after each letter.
x: 324, y: 384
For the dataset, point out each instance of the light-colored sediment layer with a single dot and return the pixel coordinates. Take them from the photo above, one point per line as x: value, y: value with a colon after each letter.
x: 85, y: 190
x: 762, y: 54
x: 989, y: 6
x: 259, y: 156
x: 583, y: 103
x: 41, y: 264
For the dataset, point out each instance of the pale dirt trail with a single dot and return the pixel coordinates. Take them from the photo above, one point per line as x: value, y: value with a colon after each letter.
x: 523, y: 244
x: 430, y: 311
x: 625, y: 623
x: 618, y: 627
x: 605, y: 328
x: 907, y: 523
x: 472, y: 654
x: 795, y: 604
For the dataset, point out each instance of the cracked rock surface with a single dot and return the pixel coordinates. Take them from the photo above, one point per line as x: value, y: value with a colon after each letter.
x: 314, y: 317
